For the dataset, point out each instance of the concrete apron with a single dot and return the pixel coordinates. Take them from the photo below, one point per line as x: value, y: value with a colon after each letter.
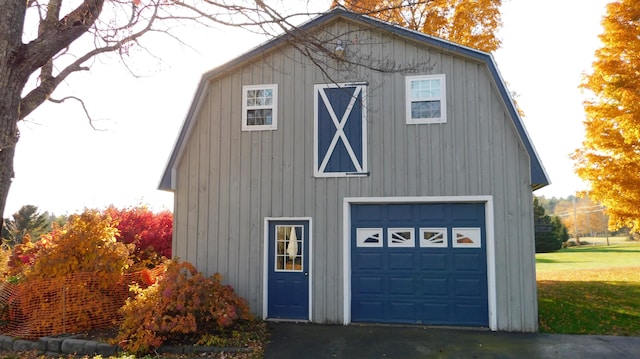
x: 310, y: 341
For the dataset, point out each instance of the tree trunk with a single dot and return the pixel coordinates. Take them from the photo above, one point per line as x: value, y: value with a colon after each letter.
x: 10, y: 89
x: 18, y: 61
x: 6, y: 176
x: 13, y: 77
x: 9, y: 135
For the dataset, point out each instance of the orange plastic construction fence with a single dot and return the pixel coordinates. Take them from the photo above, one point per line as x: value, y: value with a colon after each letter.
x: 73, y: 304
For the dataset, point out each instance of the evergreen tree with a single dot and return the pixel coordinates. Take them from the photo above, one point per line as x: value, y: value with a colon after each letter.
x: 550, y: 232
x: 26, y: 221
x: 560, y: 231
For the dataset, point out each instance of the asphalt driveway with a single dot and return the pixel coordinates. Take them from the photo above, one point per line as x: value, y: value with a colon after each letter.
x: 313, y: 341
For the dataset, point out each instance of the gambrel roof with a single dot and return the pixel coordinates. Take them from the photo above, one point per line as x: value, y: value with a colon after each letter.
x: 539, y: 177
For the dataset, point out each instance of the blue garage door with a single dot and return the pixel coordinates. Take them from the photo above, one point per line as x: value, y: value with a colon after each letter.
x: 419, y: 264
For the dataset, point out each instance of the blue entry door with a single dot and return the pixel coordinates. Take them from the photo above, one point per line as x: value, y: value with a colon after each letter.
x: 288, y: 273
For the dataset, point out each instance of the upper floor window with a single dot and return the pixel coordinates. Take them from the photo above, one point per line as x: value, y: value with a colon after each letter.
x: 426, y: 99
x: 259, y: 107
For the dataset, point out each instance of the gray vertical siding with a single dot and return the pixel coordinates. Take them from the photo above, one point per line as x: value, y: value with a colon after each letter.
x: 228, y: 181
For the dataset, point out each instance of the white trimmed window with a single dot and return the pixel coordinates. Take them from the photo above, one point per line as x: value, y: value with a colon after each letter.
x: 259, y: 107
x: 400, y: 237
x: 433, y: 237
x: 426, y: 99
x: 369, y: 237
x: 467, y: 237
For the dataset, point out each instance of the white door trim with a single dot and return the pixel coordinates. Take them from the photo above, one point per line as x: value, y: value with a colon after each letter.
x: 265, y: 260
x: 489, y: 219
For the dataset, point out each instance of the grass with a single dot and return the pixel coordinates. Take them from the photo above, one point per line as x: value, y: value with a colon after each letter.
x: 590, y: 290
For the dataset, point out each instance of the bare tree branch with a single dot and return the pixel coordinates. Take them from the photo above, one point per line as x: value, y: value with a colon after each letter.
x: 59, y: 34
x: 49, y: 83
x: 67, y: 36
x: 84, y: 107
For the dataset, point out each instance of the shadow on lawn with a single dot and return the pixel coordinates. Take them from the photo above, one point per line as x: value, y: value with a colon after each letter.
x: 584, y: 307
x: 547, y: 260
x: 596, y: 249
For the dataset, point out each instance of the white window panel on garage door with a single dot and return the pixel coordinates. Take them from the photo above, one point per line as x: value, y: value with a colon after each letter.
x: 369, y: 237
x: 433, y: 237
x: 466, y: 237
x: 401, y: 237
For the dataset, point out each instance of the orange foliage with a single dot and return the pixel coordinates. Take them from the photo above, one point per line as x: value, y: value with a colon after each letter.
x: 86, y: 243
x: 471, y: 23
x: 589, y: 216
x: 609, y: 159
x: 182, y: 302
x: 73, y: 281
x: 73, y: 303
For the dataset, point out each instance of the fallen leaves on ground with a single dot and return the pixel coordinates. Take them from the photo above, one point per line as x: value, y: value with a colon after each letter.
x: 603, y: 301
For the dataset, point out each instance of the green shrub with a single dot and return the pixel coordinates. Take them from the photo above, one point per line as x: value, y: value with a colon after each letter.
x: 180, y: 306
x: 550, y: 232
x: 547, y: 242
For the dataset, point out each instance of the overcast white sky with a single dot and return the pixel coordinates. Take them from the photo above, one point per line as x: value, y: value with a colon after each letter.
x: 62, y: 165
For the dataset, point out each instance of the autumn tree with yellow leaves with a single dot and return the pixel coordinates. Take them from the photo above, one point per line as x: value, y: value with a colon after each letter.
x: 470, y: 23
x: 582, y: 217
x: 609, y: 159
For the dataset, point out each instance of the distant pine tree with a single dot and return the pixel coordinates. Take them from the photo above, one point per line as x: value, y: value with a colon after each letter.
x: 26, y: 221
x: 550, y: 232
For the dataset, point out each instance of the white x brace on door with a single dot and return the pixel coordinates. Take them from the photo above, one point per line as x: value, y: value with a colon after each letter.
x: 340, y: 130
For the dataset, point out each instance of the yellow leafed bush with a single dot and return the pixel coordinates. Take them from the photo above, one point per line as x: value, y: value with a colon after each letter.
x: 74, y: 281
x: 87, y: 243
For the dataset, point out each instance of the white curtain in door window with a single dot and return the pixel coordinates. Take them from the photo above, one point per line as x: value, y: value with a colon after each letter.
x: 292, y: 247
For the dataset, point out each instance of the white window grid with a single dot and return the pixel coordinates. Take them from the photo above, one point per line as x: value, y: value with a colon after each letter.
x: 401, y: 237
x: 289, y: 256
x: 260, y: 99
x: 430, y: 91
x: 433, y: 237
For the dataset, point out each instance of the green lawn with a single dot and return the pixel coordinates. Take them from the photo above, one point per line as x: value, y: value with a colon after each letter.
x: 590, y: 290
x: 601, y: 256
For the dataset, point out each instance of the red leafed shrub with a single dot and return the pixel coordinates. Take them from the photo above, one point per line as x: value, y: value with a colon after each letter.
x: 22, y: 256
x: 180, y: 305
x: 150, y: 232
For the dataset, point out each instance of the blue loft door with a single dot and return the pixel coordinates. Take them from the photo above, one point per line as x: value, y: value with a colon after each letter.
x: 340, y: 129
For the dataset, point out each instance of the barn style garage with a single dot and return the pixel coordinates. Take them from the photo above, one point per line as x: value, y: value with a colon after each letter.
x: 327, y: 189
